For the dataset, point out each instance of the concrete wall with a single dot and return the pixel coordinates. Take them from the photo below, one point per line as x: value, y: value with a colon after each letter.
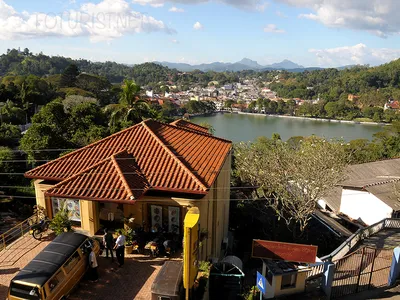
x: 277, y: 281
x: 364, y: 206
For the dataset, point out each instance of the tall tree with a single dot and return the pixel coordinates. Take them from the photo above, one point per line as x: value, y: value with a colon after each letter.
x: 291, y: 178
x: 68, y: 77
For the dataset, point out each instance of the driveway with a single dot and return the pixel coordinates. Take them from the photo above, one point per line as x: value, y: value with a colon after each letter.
x: 15, y: 257
x: 132, y: 281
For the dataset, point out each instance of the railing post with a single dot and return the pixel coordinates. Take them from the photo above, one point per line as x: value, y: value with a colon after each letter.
x: 361, y: 269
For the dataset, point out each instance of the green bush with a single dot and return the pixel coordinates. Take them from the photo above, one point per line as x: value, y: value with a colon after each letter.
x: 61, y: 222
x: 204, y: 266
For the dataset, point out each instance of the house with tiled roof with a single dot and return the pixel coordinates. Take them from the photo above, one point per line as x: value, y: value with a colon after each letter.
x: 392, y: 104
x: 152, y: 172
x: 369, y: 193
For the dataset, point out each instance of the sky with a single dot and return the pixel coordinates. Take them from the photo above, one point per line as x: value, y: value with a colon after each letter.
x: 324, y: 33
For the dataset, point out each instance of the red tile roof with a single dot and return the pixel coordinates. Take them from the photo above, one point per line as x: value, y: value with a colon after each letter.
x: 185, y: 124
x: 394, y: 105
x: 115, y: 178
x: 171, y: 158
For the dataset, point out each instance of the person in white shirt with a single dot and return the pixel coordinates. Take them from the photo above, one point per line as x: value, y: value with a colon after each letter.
x: 120, y: 248
x: 94, y: 275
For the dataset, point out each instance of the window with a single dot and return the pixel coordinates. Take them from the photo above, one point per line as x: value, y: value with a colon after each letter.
x: 86, y: 246
x: 24, y: 291
x: 56, y: 280
x: 269, y: 277
x: 288, y: 281
x: 71, y: 262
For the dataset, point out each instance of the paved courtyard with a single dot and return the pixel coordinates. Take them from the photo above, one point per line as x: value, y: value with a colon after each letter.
x: 132, y: 281
x: 15, y: 257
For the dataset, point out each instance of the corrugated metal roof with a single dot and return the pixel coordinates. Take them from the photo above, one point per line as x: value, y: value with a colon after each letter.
x: 386, y: 193
x: 373, y: 177
x: 169, y: 157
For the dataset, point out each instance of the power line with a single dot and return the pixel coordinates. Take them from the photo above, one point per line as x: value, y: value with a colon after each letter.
x: 115, y: 189
x: 136, y: 157
x: 153, y: 200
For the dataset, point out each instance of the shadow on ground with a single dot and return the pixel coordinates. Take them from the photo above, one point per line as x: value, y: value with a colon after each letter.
x: 8, y: 271
x: 3, y: 291
x: 118, y: 283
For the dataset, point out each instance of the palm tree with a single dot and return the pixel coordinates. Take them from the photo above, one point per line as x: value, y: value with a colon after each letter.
x: 130, y: 106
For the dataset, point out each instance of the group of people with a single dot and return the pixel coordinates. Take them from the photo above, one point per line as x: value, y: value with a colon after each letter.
x: 108, y: 242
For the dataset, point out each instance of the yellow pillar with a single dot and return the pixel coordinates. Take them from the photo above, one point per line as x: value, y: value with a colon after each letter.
x: 90, y: 216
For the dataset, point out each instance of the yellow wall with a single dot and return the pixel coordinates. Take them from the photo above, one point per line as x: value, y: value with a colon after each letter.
x: 90, y: 221
x: 214, y: 211
x: 39, y: 191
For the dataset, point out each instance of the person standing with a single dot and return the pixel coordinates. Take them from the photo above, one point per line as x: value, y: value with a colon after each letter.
x: 108, y: 241
x: 93, y: 273
x: 120, y: 248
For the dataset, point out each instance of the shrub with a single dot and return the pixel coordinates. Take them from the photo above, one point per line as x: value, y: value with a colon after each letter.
x: 61, y: 222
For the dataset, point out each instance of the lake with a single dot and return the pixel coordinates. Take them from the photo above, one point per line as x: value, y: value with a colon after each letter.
x: 241, y: 127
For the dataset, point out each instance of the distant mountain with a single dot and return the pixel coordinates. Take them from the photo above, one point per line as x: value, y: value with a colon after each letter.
x: 285, y: 65
x: 244, y: 64
x: 250, y: 63
x: 346, y: 67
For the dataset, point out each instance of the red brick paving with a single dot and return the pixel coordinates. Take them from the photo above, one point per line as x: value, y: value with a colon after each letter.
x: 16, y: 256
x: 132, y: 281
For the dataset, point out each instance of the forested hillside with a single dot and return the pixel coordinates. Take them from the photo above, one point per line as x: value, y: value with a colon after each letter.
x: 25, y: 63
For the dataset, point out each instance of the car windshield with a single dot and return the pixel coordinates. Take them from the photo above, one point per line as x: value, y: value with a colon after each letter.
x: 24, y: 291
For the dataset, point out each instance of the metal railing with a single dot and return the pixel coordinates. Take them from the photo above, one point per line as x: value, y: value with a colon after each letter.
x: 16, y: 232
x: 352, y: 241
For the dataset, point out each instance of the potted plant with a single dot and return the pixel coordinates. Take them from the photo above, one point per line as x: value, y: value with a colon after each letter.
x: 202, y: 277
x: 129, y: 235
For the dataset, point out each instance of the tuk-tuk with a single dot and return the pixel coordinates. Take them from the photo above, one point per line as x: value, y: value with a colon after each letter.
x: 55, y: 271
x: 168, y: 284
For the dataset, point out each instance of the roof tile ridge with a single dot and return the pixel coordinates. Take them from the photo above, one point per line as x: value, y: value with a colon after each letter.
x: 180, y: 163
x: 377, y: 161
x: 121, y: 175
x: 382, y: 182
x: 195, y: 131
x: 80, y: 173
x: 176, y: 123
x: 81, y: 149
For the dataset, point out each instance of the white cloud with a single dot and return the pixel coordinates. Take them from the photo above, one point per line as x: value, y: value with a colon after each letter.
x: 175, y: 41
x: 71, y: 1
x: 280, y: 14
x: 177, y: 10
x: 198, y: 26
x: 150, y: 2
x: 379, y: 17
x: 105, y: 21
x: 357, y: 54
x: 273, y: 29
x: 259, y: 5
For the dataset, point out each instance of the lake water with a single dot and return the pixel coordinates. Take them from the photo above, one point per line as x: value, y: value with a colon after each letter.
x: 240, y: 127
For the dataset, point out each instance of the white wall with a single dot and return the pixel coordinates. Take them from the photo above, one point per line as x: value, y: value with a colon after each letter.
x: 365, y: 206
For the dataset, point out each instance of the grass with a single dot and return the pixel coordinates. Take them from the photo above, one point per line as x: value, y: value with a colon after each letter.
x: 362, y: 120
